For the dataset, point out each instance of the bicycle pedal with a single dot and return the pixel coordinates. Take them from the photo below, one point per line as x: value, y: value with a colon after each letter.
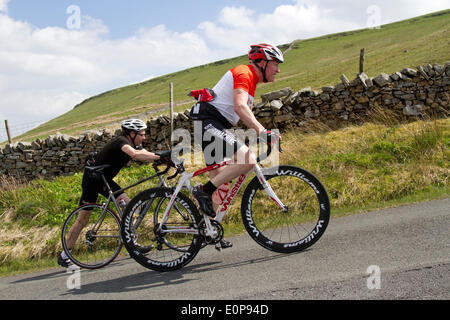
x: 223, y: 244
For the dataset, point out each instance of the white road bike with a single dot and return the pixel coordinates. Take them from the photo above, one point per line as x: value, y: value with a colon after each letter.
x: 284, y: 209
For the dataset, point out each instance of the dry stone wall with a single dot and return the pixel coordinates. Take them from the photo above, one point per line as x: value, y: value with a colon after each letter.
x: 410, y: 94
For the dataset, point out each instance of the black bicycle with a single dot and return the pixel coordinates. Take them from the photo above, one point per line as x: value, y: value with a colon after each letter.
x: 91, y: 234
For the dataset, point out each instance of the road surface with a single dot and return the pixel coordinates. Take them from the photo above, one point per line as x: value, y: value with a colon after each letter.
x: 399, y: 253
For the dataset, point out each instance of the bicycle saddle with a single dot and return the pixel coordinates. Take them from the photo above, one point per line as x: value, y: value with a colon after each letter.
x: 97, y: 169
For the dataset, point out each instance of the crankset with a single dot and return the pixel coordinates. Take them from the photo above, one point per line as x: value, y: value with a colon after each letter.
x: 213, y: 237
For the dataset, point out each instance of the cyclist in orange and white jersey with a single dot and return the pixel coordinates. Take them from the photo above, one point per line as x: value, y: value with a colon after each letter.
x: 242, y: 77
x: 233, y: 101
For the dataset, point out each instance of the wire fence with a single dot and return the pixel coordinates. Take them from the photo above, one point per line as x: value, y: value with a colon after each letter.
x: 16, y: 129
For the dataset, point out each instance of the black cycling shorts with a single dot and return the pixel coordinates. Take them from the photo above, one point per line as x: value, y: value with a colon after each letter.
x: 93, y: 187
x: 217, y: 142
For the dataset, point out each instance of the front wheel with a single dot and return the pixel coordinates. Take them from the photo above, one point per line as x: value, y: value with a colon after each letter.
x: 161, y: 245
x: 302, y: 223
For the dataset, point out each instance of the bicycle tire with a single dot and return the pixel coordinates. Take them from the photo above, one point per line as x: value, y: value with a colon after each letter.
x: 306, y: 219
x: 93, y: 249
x: 168, y: 252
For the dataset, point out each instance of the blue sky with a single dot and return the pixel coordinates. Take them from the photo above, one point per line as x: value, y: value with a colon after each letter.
x: 46, y: 68
x: 123, y: 18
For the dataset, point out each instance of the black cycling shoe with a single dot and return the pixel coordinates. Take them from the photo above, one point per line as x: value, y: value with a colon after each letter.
x: 204, y: 201
x: 65, y: 263
x: 223, y: 244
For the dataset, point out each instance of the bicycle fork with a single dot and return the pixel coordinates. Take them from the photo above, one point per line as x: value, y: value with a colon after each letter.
x: 184, y: 181
x: 266, y: 186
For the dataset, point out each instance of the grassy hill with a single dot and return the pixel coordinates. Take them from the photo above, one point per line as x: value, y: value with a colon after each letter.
x: 313, y: 62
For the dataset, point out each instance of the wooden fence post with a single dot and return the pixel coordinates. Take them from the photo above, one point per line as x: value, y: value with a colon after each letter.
x: 361, y: 61
x: 171, y: 113
x: 7, y: 132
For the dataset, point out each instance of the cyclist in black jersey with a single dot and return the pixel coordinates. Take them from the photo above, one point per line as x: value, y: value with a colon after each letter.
x: 117, y: 153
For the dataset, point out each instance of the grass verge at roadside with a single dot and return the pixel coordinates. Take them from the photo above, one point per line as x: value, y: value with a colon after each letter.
x: 373, y: 166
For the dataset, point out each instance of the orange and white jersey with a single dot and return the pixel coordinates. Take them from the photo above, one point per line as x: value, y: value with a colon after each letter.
x: 242, y: 77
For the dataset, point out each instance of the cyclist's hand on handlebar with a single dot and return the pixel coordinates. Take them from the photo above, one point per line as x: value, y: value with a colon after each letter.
x: 270, y: 137
x: 168, y: 162
x: 164, y: 161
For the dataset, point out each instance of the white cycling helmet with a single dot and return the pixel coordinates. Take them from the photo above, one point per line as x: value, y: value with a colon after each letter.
x: 134, y: 125
x: 264, y: 51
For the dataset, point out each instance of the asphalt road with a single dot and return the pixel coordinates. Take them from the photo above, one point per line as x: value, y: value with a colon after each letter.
x: 400, y: 253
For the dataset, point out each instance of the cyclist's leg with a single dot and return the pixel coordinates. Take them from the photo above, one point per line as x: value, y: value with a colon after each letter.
x: 80, y: 223
x: 219, y: 144
x: 94, y: 245
x: 115, y: 187
x: 89, y: 195
x: 244, y: 161
x: 124, y: 197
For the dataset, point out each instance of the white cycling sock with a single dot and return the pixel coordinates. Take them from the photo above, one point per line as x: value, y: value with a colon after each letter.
x: 64, y: 255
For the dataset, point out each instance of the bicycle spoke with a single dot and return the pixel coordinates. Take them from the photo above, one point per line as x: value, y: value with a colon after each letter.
x: 175, y: 240
x: 293, y: 229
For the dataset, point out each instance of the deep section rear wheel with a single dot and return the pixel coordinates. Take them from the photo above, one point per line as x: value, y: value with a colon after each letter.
x: 306, y: 217
x: 97, y: 233
x: 157, y: 245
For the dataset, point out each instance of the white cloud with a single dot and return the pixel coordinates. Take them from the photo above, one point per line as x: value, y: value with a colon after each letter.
x: 40, y: 104
x: 390, y: 11
x: 44, y: 72
x: 301, y: 19
x: 236, y: 17
x: 4, y: 6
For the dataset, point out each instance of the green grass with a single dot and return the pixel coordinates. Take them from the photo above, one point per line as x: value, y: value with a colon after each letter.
x: 314, y: 62
x: 363, y: 168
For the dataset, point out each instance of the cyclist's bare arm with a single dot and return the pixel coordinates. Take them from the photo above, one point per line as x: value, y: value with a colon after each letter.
x: 244, y: 111
x: 140, y: 155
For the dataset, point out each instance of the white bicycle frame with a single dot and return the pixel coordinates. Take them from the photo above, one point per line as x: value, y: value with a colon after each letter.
x: 185, y: 181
